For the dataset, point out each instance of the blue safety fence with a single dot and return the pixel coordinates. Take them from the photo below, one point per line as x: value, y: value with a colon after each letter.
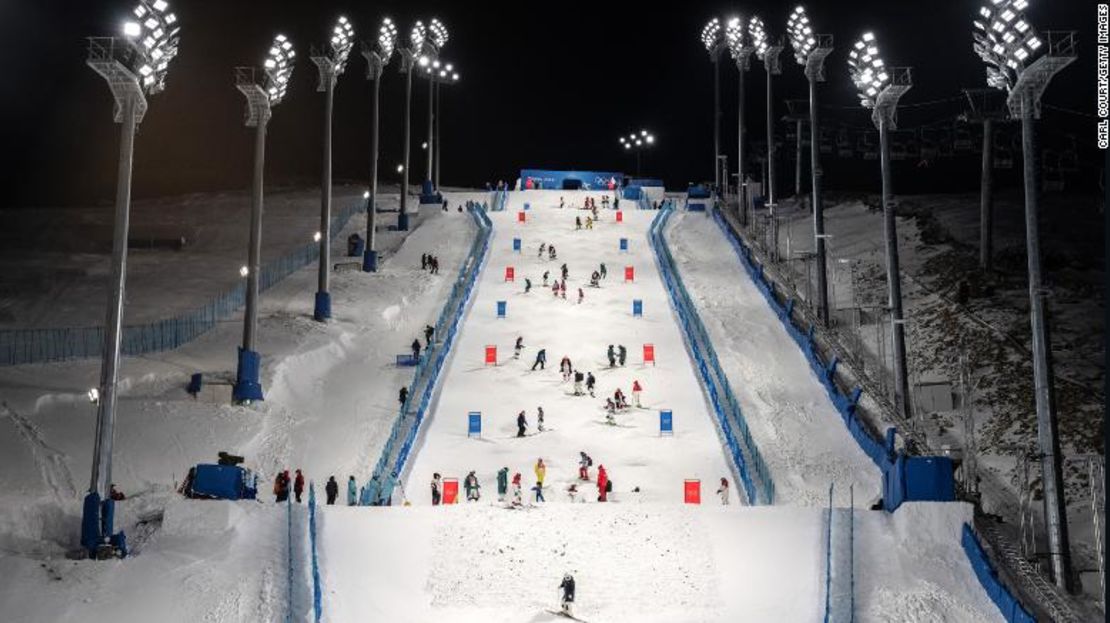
x: 23, y: 346
x: 317, y: 588
x: 402, y: 436
x: 846, y: 404
x: 752, y: 469
x: 1008, y: 605
x: 498, y: 201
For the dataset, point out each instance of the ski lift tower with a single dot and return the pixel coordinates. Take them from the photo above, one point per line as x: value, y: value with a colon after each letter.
x: 987, y: 106
x: 880, y: 87
x: 1022, y: 63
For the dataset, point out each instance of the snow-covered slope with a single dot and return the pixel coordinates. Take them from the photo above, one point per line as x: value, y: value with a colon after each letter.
x: 792, y: 420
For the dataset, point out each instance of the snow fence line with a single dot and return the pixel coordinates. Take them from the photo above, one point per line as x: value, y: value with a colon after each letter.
x: 23, y: 346
x: 317, y: 588
x: 845, y: 404
x: 1007, y: 603
x: 403, y: 434
x: 746, y: 457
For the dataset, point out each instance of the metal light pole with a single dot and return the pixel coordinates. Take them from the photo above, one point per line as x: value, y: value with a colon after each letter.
x: 741, y: 49
x: 810, y: 51
x: 263, y: 90
x: 880, y: 89
x: 437, y: 74
x: 767, y: 49
x: 429, y: 60
x: 439, y: 147
x: 1020, y: 62
x: 987, y: 106
x: 714, y: 44
x: 409, y: 57
x: 134, y: 66
x: 330, y: 61
x: 377, y: 57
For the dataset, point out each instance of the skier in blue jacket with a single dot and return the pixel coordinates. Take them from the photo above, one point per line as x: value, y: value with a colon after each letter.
x: 352, y: 491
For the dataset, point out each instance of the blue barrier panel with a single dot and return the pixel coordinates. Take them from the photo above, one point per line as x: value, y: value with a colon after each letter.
x: 624, y: 244
x: 317, y: 588
x: 527, y: 206
x: 474, y: 424
x: 637, y: 308
x: 406, y: 361
x: 516, y: 245
x: 1007, y: 603
x: 666, y: 422
x: 502, y: 308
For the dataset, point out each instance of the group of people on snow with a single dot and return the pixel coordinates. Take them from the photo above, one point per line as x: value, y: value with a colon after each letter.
x: 429, y: 263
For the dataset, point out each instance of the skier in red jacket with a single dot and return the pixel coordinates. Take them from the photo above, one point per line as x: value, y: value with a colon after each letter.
x: 602, y: 483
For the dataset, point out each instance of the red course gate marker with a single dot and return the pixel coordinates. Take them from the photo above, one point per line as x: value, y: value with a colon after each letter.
x: 510, y: 274
x: 629, y: 274
x: 450, y: 490
x: 620, y: 216
x: 691, y: 491
x: 649, y: 354
x: 520, y: 216
x: 491, y: 355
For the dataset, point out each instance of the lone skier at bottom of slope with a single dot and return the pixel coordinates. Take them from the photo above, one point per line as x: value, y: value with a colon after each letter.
x: 567, y: 586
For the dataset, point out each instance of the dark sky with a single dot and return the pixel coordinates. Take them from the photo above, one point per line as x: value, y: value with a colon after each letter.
x: 543, y: 85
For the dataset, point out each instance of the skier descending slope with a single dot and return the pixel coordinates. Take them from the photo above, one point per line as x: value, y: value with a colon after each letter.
x: 521, y: 424
x: 471, y: 485
x: 502, y: 483
x: 567, y: 586
x: 517, y: 502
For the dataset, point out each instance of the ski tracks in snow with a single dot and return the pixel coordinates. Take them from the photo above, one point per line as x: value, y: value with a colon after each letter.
x: 52, y: 463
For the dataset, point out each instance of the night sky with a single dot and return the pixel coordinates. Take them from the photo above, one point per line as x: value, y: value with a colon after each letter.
x: 542, y: 85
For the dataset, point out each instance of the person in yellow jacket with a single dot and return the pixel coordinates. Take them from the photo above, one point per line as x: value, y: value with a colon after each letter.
x: 541, y: 471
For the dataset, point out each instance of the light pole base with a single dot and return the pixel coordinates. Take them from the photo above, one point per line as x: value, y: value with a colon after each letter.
x: 97, y: 523
x: 428, y: 194
x: 90, y: 523
x: 247, y: 386
x: 370, y: 261
x: 323, y: 307
x: 402, y: 221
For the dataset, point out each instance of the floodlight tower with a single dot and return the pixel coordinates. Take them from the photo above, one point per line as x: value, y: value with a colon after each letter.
x: 1020, y: 63
x: 410, y: 55
x: 377, y: 57
x: 637, y: 142
x: 263, y: 90
x: 987, y: 107
x: 134, y: 65
x: 741, y: 49
x: 767, y: 49
x: 810, y: 51
x: 433, y: 45
x: 439, y: 73
x: 880, y: 88
x: 715, y: 44
x: 330, y: 61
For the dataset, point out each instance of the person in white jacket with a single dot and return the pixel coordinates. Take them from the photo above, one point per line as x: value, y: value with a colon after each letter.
x: 723, y: 491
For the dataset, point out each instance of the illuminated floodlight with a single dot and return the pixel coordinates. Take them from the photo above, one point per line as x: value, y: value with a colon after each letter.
x: 341, y: 42
x: 387, y: 40
x: 417, y: 35
x: 244, y: 271
x: 1005, y: 41
x: 153, y: 38
x: 278, y: 68
x: 438, y: 33
x: 711, y: 35
x: 867, y: 69
x: 758, y: 34
x: 423, y: 61
x: 801, y: 34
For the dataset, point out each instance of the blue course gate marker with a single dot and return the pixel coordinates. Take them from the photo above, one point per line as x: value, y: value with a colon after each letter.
x: 666, y: 423
x: 516, y: 245
x: 637, y: 308
x: 474, y: 424
x: 501, y: 307
x: 624, y: 244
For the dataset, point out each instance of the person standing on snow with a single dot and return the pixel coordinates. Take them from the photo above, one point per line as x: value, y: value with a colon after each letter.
x: 546, y: 274
x: 564, y: 271
x: 541, y: 359
x: 435, y: 489
x: 565, y: 367
x: 584, y: 463
x: 518, y: 347
x: 636, y: 389
x: 538, y: 490
x: 602, y: 270
x: 581, y: 296
x: 723, y: 491
x: 281, y: 487
x: 567, y: 586
x: 527, y: 285
x: 589, y: 223
x: 416, y: 349
x: 298, y: 486
x: 502, y: 483
x: 563, y: 288
x: 555, y: 289
x: 402, y: 396
x: 331, y: 490
x: 516, y: 490
x: 562, y: 204
x: 429, y: 331
x: 543, y: 247
x: 622, y: 352
x: 352, y: 491
x: 578, y: 377
x: 578, y: 222
x: 471, y: 486
x: 541, y: 471
x: 539, y: 419
x: 521, y: 424
x: 612, y: 356
x: 551, y: 252
x: 602, y: 484
x: 590, y: 382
